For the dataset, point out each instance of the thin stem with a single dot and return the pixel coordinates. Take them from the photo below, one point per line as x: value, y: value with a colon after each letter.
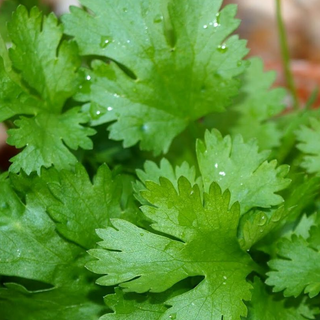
x: 286, y: 56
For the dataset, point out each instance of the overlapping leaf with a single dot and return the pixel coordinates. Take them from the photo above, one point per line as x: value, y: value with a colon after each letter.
x: 309, y: 137
x: 256, y: 104
x: 179, y: 65
x: 207, y: 231
x: 33, y: 251
x: 265, y: 306
x: 239, y: 167
x: 297, y: 269
x: 46, y: 77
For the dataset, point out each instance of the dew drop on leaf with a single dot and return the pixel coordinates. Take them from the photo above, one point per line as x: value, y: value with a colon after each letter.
x: 173, y: 316
x: 158, y: 18
x: 262, y: 221
x: 96, y: 111
x: 222, y: 48
x: 105, y: 41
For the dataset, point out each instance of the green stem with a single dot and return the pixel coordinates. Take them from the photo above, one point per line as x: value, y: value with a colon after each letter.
x: 286, y: 56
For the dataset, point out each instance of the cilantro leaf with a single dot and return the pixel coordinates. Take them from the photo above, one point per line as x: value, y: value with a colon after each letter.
x: 256, y: 224
x: 26, y: 249
x: 297, y: 269
x: 131, y: 306
x: 308, y: 136
x: 46, y: 64
x: 82, y: 207
x: 45, y: 132
x: 239, y: 167
x: 33, y: 250
x: 144, y: 261
x: 265, y: 306
x: 152, y: 172
x: 70, y: 301
x: 37, y: 81
x: 256, y: 104
x: 180, y: 65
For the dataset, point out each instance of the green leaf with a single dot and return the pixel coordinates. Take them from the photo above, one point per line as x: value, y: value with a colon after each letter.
x: 256, y: 224
x: 33, y: 252
x: 265, y: 306
x: 257, y: 104
x: 297, y: 269
x: 71, y: 301
x: 82, y: 206
x: 309, y: 136
x: 47, y: 138
x: 204, y: 244
x: 171, y: 65
x: 37, y: 81
x: 27, y: 238
x: 239, y: 167
x: 132, y: 306
x: 46, y: 64
x: 152, y: 172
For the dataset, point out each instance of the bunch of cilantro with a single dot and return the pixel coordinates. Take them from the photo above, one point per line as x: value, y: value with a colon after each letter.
x: 158, y: 175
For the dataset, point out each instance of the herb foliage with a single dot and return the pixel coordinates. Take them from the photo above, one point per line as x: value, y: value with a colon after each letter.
x: 159, y: 176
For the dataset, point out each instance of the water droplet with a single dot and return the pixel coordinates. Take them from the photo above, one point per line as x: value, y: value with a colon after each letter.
x: 262, y: 221
x: 222, y: 48
x: 145, y: 127
x: 116, y: 95
x: 105, y: 41
x: 224, y: 283
x: 125, y: 9
x: 216, y: 165
x: 239, y: 63
x: 191, y: 193
x: 88, y: 78
x: 222, y: 173
x: 18, y: 253
x: 216, y: 24
x: 218, y: 17
x: 205, y: 26
x: 96, y: 111
x: 141, y: 234
x: 158, y: 18
x: 109, y: 108
x: 225, y: 278
x: 173, y: 316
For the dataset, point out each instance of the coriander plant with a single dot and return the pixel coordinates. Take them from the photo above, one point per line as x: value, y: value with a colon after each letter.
x: 159, y: 175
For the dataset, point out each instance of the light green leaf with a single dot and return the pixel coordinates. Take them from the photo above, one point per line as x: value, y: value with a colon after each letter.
x: 297, y: 269
x: 132, y: 306
x: 309, y: 137
x: 152, y: 172
x: 47, y: 65
x: 256, y: 104
x: 46, y: 137
x: 239, y: 167
x: 143, y: 261
x: 37, y: 81
x: 256, y: 224
x: 265, y: 306
x: 180, y: 65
